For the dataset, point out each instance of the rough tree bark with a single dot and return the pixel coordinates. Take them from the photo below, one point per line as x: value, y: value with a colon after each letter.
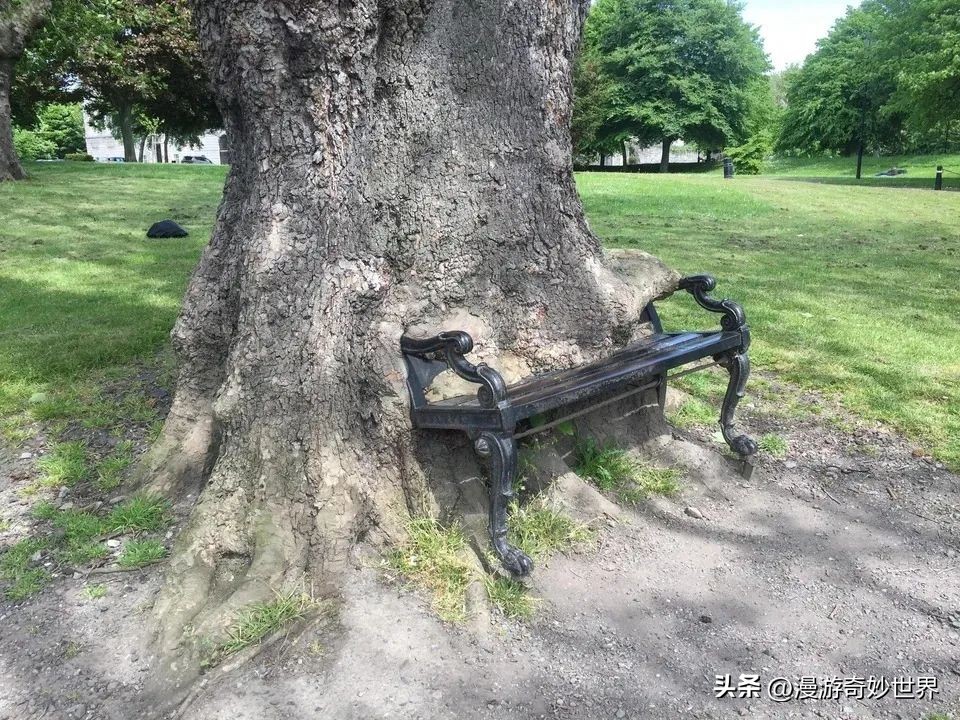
x: 17, y: 22
x: 397, y: 165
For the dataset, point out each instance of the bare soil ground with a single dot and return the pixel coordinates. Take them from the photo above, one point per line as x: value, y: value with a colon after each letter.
x: 839, y: 560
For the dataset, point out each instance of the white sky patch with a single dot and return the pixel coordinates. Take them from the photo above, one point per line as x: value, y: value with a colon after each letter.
x: 791, y: 28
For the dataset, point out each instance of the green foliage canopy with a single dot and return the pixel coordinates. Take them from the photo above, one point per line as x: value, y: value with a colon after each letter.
x: 887, y: 75
x: 126, y: 59
x: 922, y: 39
x: 62, y: 125
x: 665, y: 70
x: 30, y: 145
x: 841, y: 96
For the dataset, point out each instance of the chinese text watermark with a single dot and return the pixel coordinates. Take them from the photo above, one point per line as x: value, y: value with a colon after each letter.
x: 784, y: 690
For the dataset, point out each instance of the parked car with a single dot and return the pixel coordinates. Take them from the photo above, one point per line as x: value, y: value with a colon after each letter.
x: 196, y: 160
x: 114, y: 159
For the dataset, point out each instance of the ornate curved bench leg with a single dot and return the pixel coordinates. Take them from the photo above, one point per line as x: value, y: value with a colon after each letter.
x: 737, y: 364
x: 499, y: 450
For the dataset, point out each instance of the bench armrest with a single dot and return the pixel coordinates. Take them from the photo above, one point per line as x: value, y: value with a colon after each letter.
x: 734, y: 318
x: 450, y: 348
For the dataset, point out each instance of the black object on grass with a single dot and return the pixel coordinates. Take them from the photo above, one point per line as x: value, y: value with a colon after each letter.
x: 166, y: 229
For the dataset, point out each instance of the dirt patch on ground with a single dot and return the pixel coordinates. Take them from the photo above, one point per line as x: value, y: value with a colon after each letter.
x: 838, y: 560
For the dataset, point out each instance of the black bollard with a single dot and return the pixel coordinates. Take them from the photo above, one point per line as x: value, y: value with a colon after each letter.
x: 938, y: 183
x: 728, y: 170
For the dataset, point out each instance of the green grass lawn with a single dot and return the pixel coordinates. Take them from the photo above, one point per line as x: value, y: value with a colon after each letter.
x: 82, y: 290
x: 849, y: 289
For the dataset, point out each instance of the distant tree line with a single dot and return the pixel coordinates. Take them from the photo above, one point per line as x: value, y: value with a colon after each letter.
x: 886, y: 79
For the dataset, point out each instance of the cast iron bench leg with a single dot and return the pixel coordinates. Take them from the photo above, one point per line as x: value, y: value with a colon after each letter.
x: 737, y: 364
x: 499, y: 450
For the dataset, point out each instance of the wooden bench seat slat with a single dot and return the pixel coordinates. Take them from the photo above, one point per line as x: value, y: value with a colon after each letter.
x: 631, y: 358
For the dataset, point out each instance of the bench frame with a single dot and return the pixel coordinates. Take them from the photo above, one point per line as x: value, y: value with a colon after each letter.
x: 491, y: 422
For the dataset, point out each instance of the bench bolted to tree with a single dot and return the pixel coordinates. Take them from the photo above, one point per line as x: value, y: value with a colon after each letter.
x: 499, y: 414
x: 399, y: 167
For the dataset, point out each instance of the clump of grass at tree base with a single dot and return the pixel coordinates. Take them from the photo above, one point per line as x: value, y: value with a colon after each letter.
x: 259, y: 621
x: 78, y: 539
x: 510, y: 597
x: 95, y: 592
x: 608, y: 467
x: 433, y: 558
x: 110, y: 470
x: 67, y: 464
x: 96, y: 402
x: 141, y: 513
x: 649, y: 481
x: 540, y: 529
x: 612, y: 469
x: 693, y: 413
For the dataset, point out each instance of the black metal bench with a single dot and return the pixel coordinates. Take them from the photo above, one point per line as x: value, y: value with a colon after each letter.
x: 499, y: 414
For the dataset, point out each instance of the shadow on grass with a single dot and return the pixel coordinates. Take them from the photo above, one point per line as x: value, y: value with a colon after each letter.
x: 60, y: 335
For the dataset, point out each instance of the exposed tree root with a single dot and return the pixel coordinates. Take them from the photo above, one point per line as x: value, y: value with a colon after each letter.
x: 180, y: 461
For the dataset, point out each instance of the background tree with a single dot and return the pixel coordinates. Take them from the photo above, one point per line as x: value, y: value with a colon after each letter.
x: 128, y: 59
x: 41, y: 76
x: 780, y: 82
x: 174, y: 86
x: 921, y: 38
x: 30, y: 145
x: 18, y: 19
x: 62, y: 124
x: 397, y: 166
x: 108, y: 63
x: 762, y: 126
x: 840, y: 99
x: 679, y: 69
x: 57, y: 132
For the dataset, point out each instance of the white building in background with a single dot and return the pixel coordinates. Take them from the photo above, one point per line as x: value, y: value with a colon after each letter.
x: 104, y: 147
x: 680, y: 152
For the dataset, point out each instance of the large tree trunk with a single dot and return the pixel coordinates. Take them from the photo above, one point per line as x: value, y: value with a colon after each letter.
x: 397, y: 166
x: 17, y: 21
x: 10, y: 168
x: 665, y: 155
